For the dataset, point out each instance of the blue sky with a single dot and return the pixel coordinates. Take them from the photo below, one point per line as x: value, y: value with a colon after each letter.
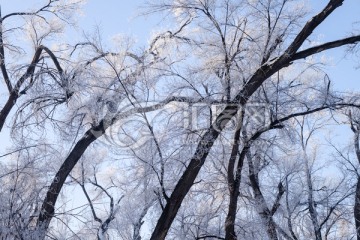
x: 340, y: 24
x: 114, y: 17
x: 120, y: 16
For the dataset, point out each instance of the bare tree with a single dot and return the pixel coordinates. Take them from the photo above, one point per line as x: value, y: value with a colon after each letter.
x: 177, y: 117
x: 19, y: 83
x: 267, y: 68
x: 356, y: 130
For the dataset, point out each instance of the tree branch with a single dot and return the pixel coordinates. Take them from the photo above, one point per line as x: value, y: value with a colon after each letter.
x: 311, y: 25
x: 2, y: 58
x: 325, y: 46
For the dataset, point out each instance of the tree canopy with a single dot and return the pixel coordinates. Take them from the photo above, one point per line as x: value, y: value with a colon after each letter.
x: 225, y: 125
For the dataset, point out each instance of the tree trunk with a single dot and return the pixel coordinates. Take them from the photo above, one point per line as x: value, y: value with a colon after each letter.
x: 231, y: 216
x: 14, y: 94
x: 356, y: 130
x: 233, y: 183
x: 184, y: 184
x: 357, y: 209
x: 7, y: 108
x: 263, y: 211
x: 48, y: 206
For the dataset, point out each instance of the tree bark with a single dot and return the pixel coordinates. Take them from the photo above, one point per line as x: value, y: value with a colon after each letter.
x: 355, y: 127
x: 230, y: 233
x: 311, y: 204
x: 48, y: 206
x: 265, y: 213
x: 233, y: 182
x: 184, y: 184
x: 357, y: 209
x: 14, y: 92
x: 10, y: 103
